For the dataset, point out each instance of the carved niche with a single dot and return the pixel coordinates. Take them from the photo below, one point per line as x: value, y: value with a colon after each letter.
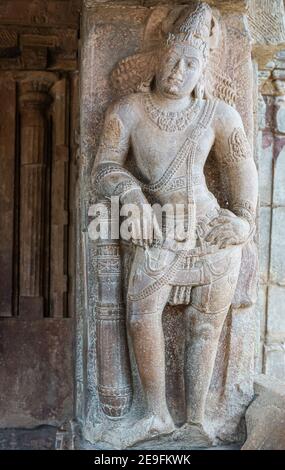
x: 118, y: 59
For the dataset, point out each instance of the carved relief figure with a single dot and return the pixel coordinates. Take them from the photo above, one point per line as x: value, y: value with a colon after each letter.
x: 171, y: 130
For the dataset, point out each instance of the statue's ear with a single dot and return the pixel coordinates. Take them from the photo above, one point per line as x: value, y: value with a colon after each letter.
x: 215, y: 34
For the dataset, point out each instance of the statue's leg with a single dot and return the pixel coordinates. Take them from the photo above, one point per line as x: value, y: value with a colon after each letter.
x: 203, y: 335
x: 147, y: 340
x: 205, y: 318
x: 145, y: 331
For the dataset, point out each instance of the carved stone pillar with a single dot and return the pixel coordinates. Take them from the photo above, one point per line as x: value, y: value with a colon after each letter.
x: 114, y: 378
x: 34, y: 104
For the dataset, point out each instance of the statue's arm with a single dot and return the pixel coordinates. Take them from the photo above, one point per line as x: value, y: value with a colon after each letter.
x: 238, y: 170
x: 237, y: 164
x: 109, y: 177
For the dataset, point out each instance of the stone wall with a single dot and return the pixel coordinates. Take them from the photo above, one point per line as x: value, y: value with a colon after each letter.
x: 272, y: 218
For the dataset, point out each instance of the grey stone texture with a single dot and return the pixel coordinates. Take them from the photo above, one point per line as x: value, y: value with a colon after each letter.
x: 271, y: 150
x: 265, y: 417
x: 112, y: 33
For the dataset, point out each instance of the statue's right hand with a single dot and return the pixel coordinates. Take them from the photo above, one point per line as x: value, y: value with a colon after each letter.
x: 146, y: 228
x: 140, y: 226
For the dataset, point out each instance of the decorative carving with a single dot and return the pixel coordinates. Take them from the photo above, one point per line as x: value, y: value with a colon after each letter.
x: 114, y: 381
x: 239, y: 149
x: 195, y: 132
x: 38, y: 44
x: 113, y: 136
x: 265, y: 18
x: 171, y: 121
x: 194, y: 30
x: 246, y: 210
x: 266, y: 21
x: 125, y: 186
x: 170, y: 125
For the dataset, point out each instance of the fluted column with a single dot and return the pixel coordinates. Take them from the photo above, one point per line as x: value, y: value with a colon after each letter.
x: 34, y: 104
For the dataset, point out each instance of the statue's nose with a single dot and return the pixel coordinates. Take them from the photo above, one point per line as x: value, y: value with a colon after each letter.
x: 179, y: 68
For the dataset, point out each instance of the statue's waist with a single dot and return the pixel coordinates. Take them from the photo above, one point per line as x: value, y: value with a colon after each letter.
x: 154, y: 268
x: 176, y: 183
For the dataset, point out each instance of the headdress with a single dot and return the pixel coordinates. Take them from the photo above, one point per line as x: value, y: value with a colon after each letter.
x: 200, y: 28
x: 193, y: 29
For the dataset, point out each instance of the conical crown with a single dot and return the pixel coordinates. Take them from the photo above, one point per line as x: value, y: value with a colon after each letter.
x: 193, y: 28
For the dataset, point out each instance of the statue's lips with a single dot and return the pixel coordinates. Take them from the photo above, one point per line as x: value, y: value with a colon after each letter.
x: 174, y: 81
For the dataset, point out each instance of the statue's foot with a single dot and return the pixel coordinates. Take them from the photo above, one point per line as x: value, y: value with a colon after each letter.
x: 148, y: 428
x: 195, y: 434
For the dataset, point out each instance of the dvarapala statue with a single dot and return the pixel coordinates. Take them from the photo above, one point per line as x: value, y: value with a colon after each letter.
x: 171, y: 130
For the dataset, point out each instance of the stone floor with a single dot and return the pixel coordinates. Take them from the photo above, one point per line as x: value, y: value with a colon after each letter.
x: 159, y: 445
x: 44, y: 438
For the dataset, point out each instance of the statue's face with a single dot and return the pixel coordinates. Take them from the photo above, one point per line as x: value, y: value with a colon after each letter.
x: 179, y: 71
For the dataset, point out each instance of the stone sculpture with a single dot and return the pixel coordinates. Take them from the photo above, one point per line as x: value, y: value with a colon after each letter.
x: 171, y: 129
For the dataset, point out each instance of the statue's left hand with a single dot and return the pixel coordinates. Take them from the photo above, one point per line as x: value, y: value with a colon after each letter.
x: 227, y: 230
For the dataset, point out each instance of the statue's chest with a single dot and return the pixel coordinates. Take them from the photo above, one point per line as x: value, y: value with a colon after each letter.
x: 154, y: 150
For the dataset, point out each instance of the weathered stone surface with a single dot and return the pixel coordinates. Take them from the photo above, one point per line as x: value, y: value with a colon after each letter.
x: 223, y: 5
x: 277, y: 266
x: 36, y: 360
x: 267, y: 26
x: 262, y: 311
x: 112, y: 35
x: 279, y: 176
x: 280, y: 111
x: 49, y: 41
x: 265, y: 417
x: 265, y: 169
x: 276, y: 318
x: 39, y: 35
x: 274, y: 359
x: 272, y: 222
x: 264, y: 242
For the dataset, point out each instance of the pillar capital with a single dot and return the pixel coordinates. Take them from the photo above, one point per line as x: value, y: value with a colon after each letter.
x: 34, y: 90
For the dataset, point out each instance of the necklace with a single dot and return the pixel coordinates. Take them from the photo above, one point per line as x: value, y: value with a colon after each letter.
x: 171, y: 121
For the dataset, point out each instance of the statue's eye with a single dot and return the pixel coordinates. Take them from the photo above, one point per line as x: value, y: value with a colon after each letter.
x: 193, y: 64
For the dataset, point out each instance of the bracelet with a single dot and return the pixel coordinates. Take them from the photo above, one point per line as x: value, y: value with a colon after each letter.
x: 126, y: 186
x: 245, y: 212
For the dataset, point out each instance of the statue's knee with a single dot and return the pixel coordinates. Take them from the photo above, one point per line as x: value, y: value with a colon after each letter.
x: 207, y: 326
x: 205, y: 331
